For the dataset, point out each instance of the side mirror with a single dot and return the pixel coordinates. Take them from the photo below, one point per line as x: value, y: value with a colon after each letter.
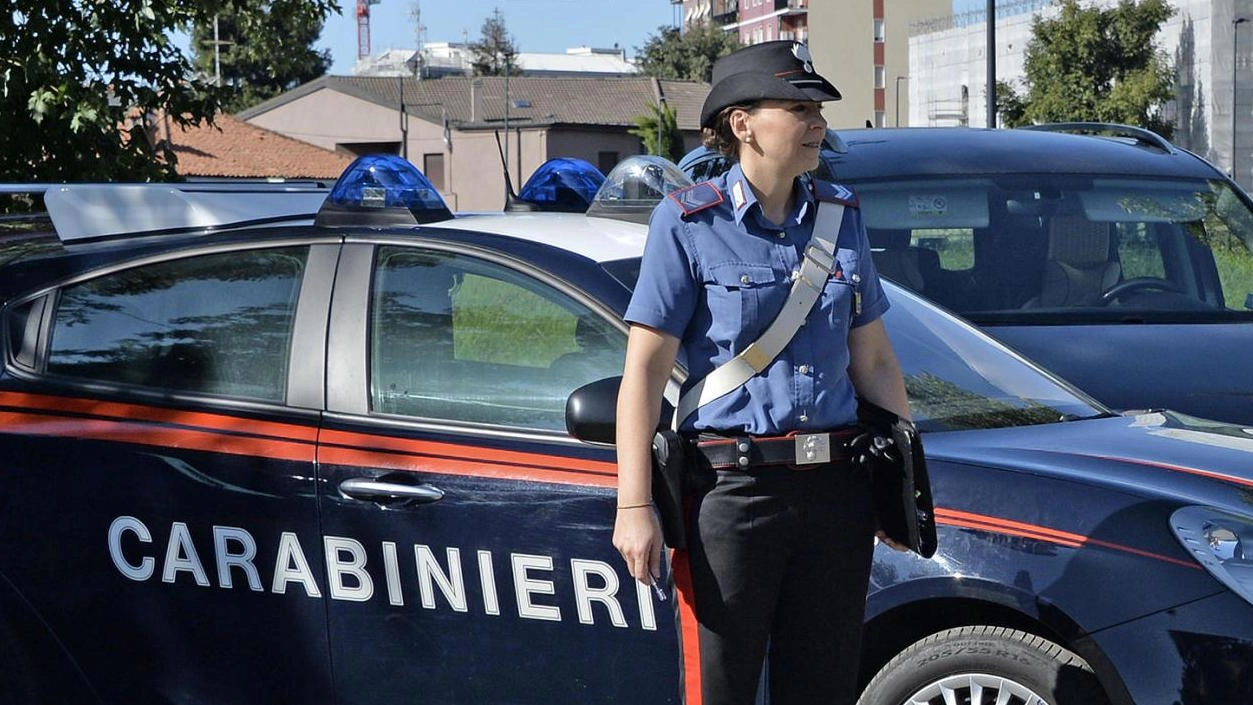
x: 592, y: 411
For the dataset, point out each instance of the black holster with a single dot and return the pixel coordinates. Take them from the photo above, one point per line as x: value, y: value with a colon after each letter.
x: 669, y: 488
x: 902, y: 489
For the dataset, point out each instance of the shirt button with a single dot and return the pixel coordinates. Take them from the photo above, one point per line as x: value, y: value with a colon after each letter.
x: 781, y: 235
x: 804, y: 418
x: 744, y: 279
x: 803, y: 369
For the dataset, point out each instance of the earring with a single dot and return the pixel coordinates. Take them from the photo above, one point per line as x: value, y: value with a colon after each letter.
x: 748, y: 139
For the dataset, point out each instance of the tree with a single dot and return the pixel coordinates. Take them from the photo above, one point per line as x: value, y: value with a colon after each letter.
x: 659, y: 131
x: 1092, y: 64
x: 495, y: 53
x: 81, y: 82
x: 265, y: 48
x: 688, y: 56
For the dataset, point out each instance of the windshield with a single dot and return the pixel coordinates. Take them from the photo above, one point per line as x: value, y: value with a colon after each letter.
x: 1056, y: 248
x: 957, y: 377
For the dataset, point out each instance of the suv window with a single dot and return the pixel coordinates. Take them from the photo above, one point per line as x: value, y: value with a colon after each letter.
x: 1045, y: 246
x: 459, y: 338
x: 214, y: 324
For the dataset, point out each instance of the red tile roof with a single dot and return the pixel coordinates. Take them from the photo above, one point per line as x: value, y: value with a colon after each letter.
x: 238, y: 149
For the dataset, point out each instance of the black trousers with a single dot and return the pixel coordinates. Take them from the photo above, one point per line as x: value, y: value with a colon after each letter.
x: 778, y: 561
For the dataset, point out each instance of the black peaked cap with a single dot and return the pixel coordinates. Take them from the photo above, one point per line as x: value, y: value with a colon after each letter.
x: 781, y: 70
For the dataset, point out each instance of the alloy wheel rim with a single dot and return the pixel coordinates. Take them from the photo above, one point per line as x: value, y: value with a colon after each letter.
x: 974, y: 689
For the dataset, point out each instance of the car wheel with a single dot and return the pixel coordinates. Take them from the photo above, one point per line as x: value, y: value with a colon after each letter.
x: 984, y: 664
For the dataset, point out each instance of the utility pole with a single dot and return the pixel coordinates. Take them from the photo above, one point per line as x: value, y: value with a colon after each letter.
x: 991, y: 63
x: 507, y: 115
x: 217, y: 53
x: 404, y: 121
x: 1235, y: 60
x: 898, y: 99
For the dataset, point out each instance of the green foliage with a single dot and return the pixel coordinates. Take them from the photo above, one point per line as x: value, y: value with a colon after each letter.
x: 659, y: 131
x: 687, y: 56
x: 1093, y: 64
x: 265, y: 48
x: 494, y: 54
x: 81, y: 80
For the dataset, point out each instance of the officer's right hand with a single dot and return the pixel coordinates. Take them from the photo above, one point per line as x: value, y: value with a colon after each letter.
x: 637, y: 536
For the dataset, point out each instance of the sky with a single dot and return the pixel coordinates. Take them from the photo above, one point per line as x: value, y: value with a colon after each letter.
x: 550, y: 26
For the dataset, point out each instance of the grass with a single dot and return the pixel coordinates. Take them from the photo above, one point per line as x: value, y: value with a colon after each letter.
x: 499, y: 322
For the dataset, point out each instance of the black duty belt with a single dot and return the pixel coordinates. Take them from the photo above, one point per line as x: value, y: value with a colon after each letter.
x: 796, y: 449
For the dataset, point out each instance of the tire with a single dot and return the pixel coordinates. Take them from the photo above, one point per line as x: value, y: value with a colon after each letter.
x: 983, y: 664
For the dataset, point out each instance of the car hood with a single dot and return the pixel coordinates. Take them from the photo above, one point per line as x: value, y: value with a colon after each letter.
x: 1163, y: 454
x: 1156, y: 364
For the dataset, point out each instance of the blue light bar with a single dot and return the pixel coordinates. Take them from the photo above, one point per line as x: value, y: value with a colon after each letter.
x: 563, y: 184
x: 382, y: 189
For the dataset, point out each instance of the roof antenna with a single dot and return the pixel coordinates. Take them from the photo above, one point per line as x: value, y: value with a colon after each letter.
x: 512, y: 202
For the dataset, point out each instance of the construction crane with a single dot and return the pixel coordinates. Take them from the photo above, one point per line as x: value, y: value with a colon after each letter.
x: 363, y: 27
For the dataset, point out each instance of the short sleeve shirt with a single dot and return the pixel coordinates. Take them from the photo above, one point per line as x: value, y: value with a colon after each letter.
x: 716, y: 272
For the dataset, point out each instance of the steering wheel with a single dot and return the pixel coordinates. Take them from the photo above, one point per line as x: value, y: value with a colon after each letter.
x: 1136, y: 284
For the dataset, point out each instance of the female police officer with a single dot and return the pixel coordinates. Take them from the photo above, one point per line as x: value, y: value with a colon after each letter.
x: 779, y: 548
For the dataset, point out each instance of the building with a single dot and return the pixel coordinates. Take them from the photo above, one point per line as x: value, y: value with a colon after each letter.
x: 455, y: 129
x: 864, y: 48
x: 949, y: 84
x: 231, y: 149
x: 755, y: 21
x: 439, y: 59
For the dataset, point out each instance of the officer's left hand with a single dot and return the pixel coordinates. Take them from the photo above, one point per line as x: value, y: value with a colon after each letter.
x: 883, y: 537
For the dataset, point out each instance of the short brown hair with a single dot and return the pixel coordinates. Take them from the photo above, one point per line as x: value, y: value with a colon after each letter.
x: 719, y: 137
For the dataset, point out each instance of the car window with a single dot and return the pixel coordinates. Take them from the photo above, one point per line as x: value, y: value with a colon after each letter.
x: 458, y: 338
x: 1050, y: 248
x: 953, y: 247
x: 215, y: 324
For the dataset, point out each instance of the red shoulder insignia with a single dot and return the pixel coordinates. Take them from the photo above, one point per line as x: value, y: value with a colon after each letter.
x: 694, y: 199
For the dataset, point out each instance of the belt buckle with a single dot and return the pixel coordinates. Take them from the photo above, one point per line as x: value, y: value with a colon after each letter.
x: 812, y: 448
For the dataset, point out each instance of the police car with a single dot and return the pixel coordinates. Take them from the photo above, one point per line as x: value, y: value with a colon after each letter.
x: 272, y: 445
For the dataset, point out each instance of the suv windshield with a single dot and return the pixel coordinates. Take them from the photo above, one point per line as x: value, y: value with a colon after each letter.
x: 1049, y: 248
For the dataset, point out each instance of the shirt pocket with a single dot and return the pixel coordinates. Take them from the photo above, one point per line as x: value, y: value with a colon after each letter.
x: 742, y: 301
x: 839, y: 296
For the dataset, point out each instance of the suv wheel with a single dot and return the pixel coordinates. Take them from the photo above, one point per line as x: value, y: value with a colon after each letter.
x: 984, y: 664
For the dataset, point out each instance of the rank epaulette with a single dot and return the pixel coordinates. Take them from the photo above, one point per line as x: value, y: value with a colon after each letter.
x: 835, y: 193
x: 694, y: 199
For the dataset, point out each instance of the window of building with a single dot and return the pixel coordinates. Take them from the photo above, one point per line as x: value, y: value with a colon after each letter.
x: 878, y: 30
x: 433, y: 168
x: 460, y: 339
x: 213, y: 324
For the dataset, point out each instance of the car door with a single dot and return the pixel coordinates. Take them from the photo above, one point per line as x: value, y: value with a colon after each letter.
x: 467, y: 536
x: 158, y: 514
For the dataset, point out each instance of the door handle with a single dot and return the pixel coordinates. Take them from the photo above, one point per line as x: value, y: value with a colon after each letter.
x: 389, y: 492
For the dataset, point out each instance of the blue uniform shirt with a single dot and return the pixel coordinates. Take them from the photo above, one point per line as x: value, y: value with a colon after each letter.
x: 715, y: 274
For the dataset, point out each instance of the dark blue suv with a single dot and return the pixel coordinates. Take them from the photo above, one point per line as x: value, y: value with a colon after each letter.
x: 1103, y: 252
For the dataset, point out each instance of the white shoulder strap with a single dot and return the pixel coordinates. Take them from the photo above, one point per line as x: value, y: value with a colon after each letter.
x: 818, y: 264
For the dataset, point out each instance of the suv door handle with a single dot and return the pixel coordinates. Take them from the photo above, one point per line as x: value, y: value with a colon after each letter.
x: 388, y: 492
